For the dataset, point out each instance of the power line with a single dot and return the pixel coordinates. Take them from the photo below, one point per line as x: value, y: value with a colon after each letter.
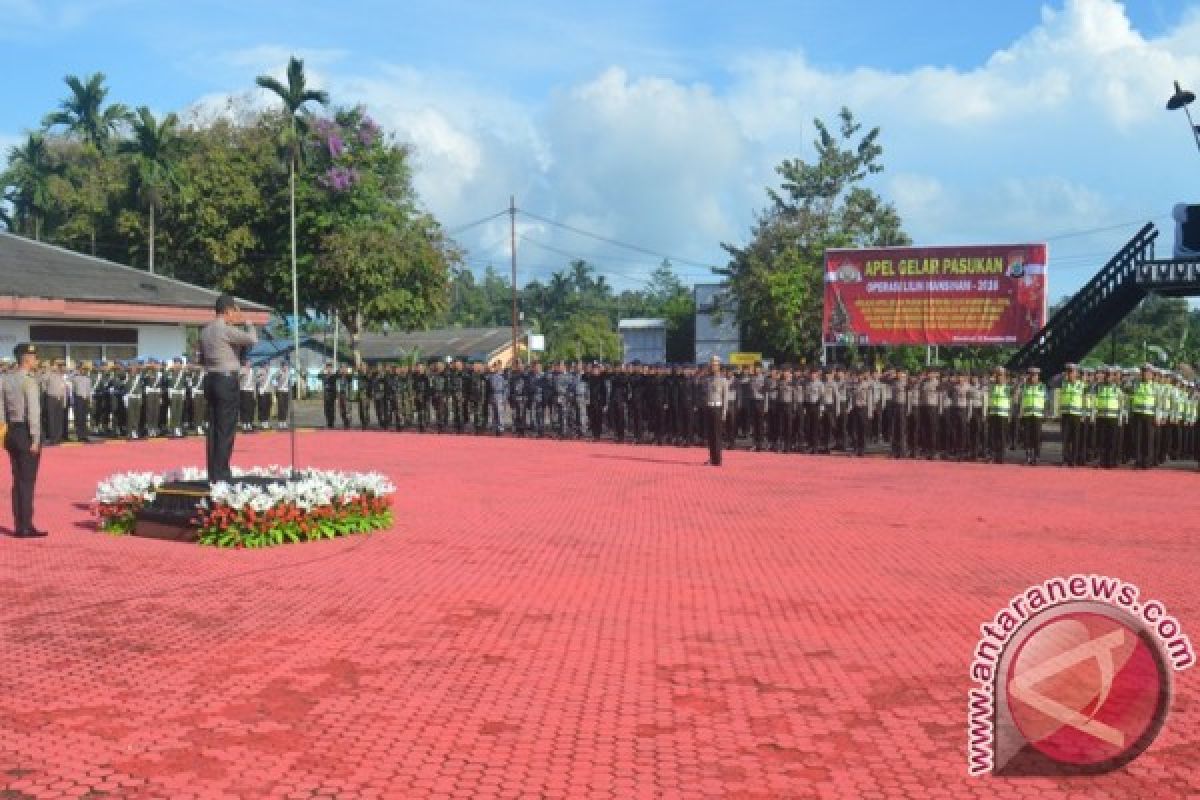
x: 1104, y: 229
x: 581, y: 257
x: 615, y: 242
x: 461, y: 228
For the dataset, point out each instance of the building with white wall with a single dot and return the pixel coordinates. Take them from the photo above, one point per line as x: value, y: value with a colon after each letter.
x: 643, y: 340
x: 81, y: 308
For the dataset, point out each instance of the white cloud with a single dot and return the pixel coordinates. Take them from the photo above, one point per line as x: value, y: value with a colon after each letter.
x: 1062, y: 130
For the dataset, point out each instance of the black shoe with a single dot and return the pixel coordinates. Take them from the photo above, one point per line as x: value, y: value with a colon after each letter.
x: 32, y: 533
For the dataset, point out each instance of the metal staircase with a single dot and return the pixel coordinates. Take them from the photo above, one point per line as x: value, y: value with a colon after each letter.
x: 1085, y: 319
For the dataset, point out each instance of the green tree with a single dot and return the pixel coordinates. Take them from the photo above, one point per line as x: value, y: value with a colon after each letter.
x: 84, y: 114
x: 778, y: 276
x: 28, y: 180
x: 295, y: 95
x: 584, y: 335
x: 155, y: 149
x: 85, y: 117
x: 382, y: 260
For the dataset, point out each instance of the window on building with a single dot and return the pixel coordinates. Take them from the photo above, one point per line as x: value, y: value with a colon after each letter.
x: 120, y: 352
x: 85, y: 352
x: 51, y: 352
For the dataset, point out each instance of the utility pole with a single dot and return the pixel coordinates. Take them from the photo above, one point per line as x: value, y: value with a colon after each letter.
x: 512, y: 243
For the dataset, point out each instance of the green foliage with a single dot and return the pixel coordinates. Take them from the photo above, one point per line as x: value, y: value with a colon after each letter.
x: 213, y: 201
x: 778, y: 277
x: 576, y: 302
x: 584, y: 335
x: 1162, y: 330
x: 83, y: 113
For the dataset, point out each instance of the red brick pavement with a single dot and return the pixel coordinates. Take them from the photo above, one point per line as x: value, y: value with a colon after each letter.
x: 564, y: 620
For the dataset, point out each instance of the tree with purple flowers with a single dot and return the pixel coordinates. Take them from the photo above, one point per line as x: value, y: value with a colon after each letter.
x: 380, y: 257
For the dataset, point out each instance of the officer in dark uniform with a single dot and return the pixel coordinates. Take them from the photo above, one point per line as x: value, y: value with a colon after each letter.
x: 345, y: 388
x: 153, y: 388
x: 617, y: 400
x: 497, y: 397
x: 363, y: 380
x: 421, y: 396
x: 475, y: 389
x: 637, y: 401
x: 101, y: 413
x: 439, y: 387
x: 597, y: 392
x: 456, y: 397
x: 20, y: 410
x: 175, y: 386
x: 536, y: 393
x: 518, y: 398
x: 380, y: 397
x: 329, y: 381
x: 135, y: 394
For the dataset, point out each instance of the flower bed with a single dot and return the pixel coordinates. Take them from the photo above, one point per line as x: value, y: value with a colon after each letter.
x: 315, y: 504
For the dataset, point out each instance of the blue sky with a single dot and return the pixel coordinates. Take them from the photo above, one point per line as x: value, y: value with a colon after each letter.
x: 659, y: 123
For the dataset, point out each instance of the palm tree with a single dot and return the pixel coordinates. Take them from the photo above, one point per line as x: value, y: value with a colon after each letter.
x: 295, y: 95
x: 84, y: 113
x: 155, y: 147
x: 29, y: 172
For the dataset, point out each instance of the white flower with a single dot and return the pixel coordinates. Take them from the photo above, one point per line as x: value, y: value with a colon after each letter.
x: 308, y: 489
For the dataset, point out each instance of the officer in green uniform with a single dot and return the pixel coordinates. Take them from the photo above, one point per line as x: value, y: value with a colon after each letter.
x: 1108, y: 417
x: 174, y: 384
x: 1143, y: 409
x: 999, y: 408
x: 362, y: 395
x: 456, y: 397
x: 1033, y: 410
x: 152, y: 380
x: 1070, y: 414
x: 135, y: 393
x: 438, y: 391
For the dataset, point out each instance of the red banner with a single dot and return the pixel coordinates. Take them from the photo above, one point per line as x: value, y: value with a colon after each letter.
x: 971, y: 295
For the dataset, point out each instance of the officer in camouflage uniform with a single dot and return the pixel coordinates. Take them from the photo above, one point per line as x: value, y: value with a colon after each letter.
x: 456, y: 397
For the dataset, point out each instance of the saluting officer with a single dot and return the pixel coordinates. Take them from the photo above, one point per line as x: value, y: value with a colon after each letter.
x: 20, y: 405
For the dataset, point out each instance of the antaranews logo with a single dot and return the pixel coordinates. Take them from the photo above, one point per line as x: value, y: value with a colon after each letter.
x: 1073, y: 676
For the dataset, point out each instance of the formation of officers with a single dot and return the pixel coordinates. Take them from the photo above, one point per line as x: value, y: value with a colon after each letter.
x: 150, y: 399
x: 1108, y: 416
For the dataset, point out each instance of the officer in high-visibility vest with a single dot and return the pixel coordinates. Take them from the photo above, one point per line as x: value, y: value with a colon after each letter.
x: 1108, y: 416
x: 1088, y: 423
x: 1143, y: 410
x: 999, y: 408
x: 1033, y: 410
x: 1070, y: 414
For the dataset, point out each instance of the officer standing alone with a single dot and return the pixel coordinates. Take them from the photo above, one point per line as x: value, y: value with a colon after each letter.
x: 21, y: 407
x: 715, y: 391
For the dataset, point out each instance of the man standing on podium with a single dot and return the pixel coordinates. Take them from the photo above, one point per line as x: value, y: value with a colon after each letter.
x: 221, y: 348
